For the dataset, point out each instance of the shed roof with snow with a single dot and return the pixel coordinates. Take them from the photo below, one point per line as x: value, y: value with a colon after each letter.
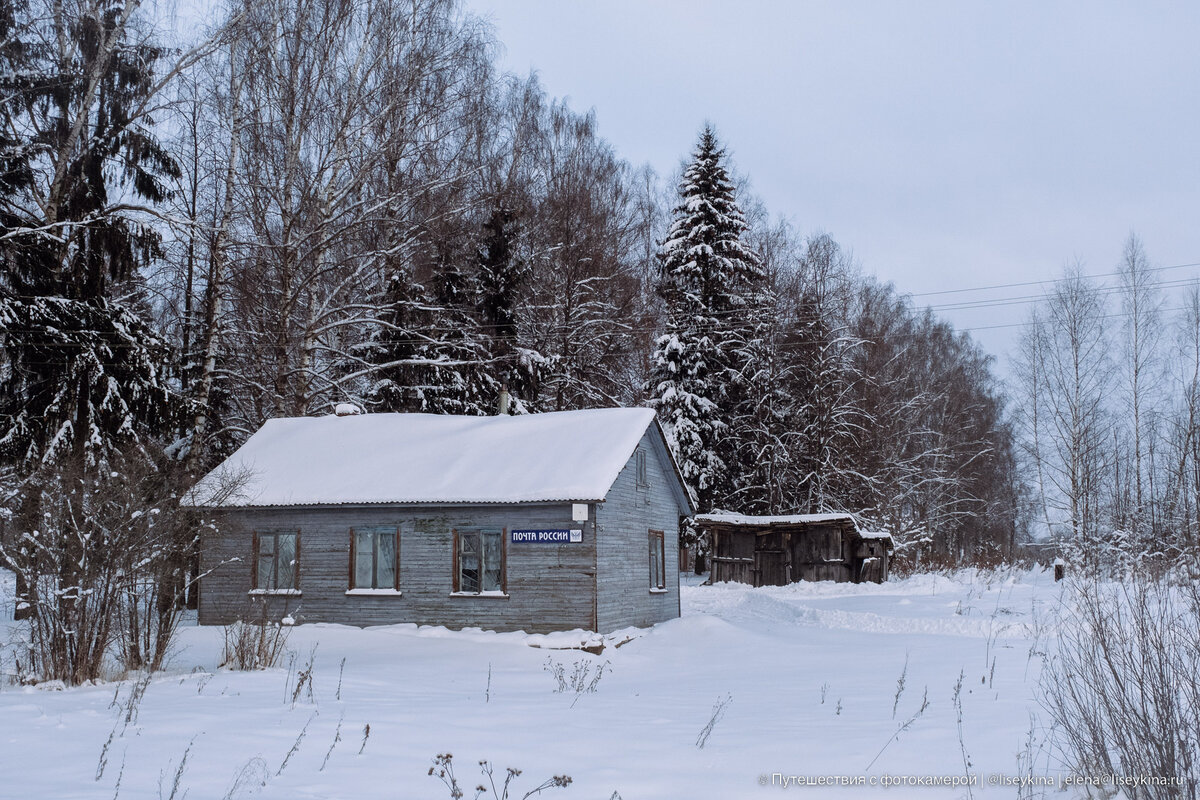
x: 432, y: 459
x: 783, y: 519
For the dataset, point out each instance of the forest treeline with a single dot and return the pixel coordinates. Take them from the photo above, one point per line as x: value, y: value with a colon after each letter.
x: 346, y: 200
x: 1107, y: 412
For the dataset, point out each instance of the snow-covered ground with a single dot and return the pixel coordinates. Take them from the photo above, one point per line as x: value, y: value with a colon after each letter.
x: 807, y: 675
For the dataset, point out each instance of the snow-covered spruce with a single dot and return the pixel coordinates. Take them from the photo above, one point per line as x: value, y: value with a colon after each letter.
x: 715, y: 295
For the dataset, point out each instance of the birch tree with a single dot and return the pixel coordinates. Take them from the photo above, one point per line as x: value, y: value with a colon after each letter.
x: 829, y: 416
x: 1072, y: 375
x: 357, y: 116
x: 583, y: 289
x: 1141, y: 381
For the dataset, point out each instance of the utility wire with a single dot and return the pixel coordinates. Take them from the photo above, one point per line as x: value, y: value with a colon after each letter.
x: 1043, y: 283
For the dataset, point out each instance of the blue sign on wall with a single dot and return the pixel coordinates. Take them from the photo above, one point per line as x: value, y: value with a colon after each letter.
x: 546, y: 537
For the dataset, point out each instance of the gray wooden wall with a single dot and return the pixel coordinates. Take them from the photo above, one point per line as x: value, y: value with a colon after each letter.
x: 624, y: 520
x: 550, y: 586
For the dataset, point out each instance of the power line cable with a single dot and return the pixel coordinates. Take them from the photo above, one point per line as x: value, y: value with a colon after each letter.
x: 1043, y: 282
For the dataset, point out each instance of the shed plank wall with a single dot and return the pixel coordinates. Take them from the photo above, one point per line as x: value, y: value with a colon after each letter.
x: 625, y: 520
x: 550, y: 586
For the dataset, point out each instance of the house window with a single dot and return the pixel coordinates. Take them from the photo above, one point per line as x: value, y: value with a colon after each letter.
x: 374, y: 558
x: 640, y: 462
x: 479, y: 562
x: 276, y: 564
x: 658, y: 579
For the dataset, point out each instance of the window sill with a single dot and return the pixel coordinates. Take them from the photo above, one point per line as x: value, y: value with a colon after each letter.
x: 660, y: 591
x: 275, y: 593
x: 479, y: 594
x: 374, y: 593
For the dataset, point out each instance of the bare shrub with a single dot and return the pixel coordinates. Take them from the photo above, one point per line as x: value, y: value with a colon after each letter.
x: 254, y: 645
x: 102, y: 560
x: 302, y: 685
x: 295, y: 745
x: 904, y: 726
x: 366, y: 735
x: 1033, y: 761
x: 127, y: 714
x: 172, y: 792
x: 1124, y: 683
x: 900, y: 682
x: 337, y: 737
x: 920, y: 558
x: 718, y: 711
x: 443, y: 769
x: 583, y: 677
x: 249, y: 780
x: 962, y: 745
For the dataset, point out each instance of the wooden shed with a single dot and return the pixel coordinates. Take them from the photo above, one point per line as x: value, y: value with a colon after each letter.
x: 773, y: 551
x: 538, y: 522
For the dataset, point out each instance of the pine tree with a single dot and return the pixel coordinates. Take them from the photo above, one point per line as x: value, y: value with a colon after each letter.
x: 390, y: 353
x: 85, y: 391
x: 84, y: 374
x: 759, y: 447
x: 427, y: 354
x: 501, y: 277
x: 708, y: 277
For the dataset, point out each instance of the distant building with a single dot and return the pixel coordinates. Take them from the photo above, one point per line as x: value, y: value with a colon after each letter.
x: 540, y: 522
x: 773, y: 551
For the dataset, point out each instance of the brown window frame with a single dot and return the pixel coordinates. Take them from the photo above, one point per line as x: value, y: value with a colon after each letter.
x: 377, y: 529
x: 255, y: 548
x: 455, y: 568
x: 660, y: 538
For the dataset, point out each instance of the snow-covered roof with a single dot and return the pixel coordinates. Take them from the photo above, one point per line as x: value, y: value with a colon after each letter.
x: 429, y: 458
x: 792, y: 519
x: 789, y: 519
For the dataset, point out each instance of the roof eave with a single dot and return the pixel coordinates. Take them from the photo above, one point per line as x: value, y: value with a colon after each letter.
x: 395, y: 503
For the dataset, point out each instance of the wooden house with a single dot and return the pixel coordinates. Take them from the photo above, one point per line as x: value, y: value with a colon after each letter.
x: 773, y: 551
x: 539, y: 522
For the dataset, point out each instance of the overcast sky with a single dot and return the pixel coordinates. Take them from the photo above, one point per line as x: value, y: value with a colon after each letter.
x: 947, y: 144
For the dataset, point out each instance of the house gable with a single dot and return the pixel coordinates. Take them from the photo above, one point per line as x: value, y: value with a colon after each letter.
x: 638, y: 507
